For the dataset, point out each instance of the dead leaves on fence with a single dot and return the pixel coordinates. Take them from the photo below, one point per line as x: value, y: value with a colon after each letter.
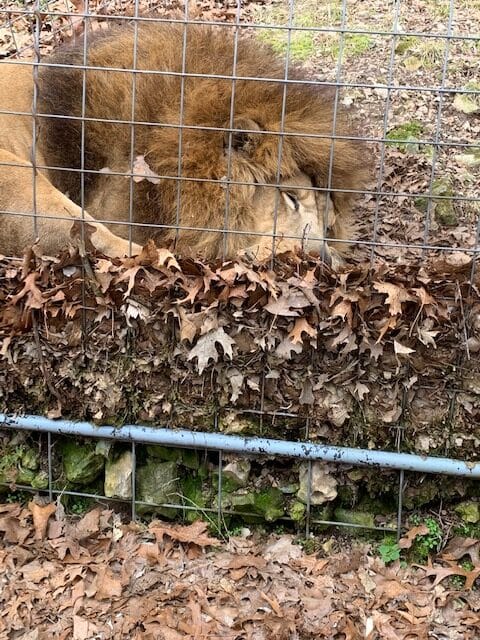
x: 362, y: 337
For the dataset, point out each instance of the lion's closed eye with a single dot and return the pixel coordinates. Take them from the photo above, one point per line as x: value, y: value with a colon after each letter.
x: 291, y: 200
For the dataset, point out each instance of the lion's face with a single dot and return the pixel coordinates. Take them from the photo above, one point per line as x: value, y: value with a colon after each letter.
x: 296, y: 214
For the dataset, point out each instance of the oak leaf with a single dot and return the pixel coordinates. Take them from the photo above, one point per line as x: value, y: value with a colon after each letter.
x: 206, y: 349
x: 301, y: 326
x: 395, y: 296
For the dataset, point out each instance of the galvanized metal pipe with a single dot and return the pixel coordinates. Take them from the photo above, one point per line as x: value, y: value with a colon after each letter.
x: 246, y: 445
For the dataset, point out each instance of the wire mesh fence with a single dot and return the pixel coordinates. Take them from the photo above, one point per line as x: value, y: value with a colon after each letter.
x: 245, y: 127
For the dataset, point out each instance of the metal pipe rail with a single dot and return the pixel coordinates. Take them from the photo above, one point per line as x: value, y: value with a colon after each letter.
x: 245, y: 445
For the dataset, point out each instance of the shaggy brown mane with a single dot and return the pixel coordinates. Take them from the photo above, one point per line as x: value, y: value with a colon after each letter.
x: 207, y: 102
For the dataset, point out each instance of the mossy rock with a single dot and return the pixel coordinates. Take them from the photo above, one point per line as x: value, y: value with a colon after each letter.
x: 469, y: 511
x: 187, y: 457
x: 270, y: 504
x: 30, y: 459
x: 405, y: 137
x: 81, y: 463
x: 195, y: 495
x: 157, y: 484
x: 297, y: 511
x: 443, y: 207
x: 350, y: 516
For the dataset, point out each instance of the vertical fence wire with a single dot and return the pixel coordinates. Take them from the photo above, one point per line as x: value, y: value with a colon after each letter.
x: 281, y: 133
x: 37, y: 28
x: 181, y: 117
x: 386, y: 111
x: 230, y: 124
x: 438, y: 123
x: 338, y: 74
x: 132, y: 126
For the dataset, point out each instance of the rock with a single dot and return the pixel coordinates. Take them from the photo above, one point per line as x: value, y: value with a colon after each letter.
x: 40, y: 481
x: 349, y: 516
x: 157, y: 483
x: 238, y: 471
x: 240, y: 501
x: 297, y: 511
x: 469, y: 511
x: 232, y: 422
x: 30, y: 459
x: 194, y: 496
x: 323, y: 487
x: 188, y: 457
x: 269, y: 503
x: 25, y: 476
x: 118, y: 476
x: 81, y: 463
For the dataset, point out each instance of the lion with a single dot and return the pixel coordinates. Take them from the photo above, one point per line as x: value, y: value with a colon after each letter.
x: 212, y: 153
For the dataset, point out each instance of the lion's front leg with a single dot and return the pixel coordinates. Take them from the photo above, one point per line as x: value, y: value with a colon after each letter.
x: 51, y: 227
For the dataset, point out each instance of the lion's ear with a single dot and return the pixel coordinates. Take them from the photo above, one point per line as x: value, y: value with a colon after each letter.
x: 243, y: 137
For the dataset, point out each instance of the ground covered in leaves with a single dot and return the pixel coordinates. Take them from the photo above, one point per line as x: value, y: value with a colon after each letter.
x: 95, y: 577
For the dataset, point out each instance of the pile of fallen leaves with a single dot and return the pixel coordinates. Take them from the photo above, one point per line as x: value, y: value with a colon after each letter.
x: 183, y: 343
x: 96, y: 577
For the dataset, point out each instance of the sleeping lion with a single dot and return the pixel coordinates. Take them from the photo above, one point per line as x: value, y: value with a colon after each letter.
x: 237, y: 172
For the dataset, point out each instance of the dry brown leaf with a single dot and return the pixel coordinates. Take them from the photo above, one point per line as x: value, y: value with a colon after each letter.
x: 301, y: 326
x: 88, y: 525
x: 409, y: 538
x: 459, y: 547
x: 83, y: 629
x: 14, y: 532
x: 247, y: 560
x: 194, y: 533
x: 41, y: 515
x: 441, y: 573
x: 206, y: 349
x: 395, y: 296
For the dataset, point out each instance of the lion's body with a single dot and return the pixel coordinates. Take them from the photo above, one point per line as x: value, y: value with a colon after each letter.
x: 173, y: 112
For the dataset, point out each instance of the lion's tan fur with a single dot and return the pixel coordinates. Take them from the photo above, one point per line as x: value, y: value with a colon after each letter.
x: 207, y: 203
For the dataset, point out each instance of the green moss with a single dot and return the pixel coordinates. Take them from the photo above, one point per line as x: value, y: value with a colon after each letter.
x: 349, y: 516
x: 469, y: 511
x: 157, y: 484
x: 10, y: 461
x: 303, y: 45
x: 40, y: 481
x: 24, y: 476
x: 187, y: 457
x: 194, y: 496
x: 81, y: 463
x: 269, y: 503
x: 297, y: 511
x: 405, y: 135
x: 357, y: 43
x: 443, y: 207
x: 406, y: 44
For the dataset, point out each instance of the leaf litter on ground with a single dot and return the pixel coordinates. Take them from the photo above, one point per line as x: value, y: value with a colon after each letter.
x: 165, y: 581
